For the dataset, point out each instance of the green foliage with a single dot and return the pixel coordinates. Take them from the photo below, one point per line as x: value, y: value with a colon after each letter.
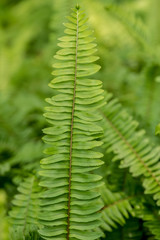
x: 67, y: 205
x: 136, y: 28
x: 131, y: 231
x: 151, y: 219
x: 144, y: 36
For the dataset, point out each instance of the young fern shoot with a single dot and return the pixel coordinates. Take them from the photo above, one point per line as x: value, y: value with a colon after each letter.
x: 70, y: 203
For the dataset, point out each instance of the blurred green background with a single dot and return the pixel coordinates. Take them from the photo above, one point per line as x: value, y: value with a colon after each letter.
x: 128, y: 39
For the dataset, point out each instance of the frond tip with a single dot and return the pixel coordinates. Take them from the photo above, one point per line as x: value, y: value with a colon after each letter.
x: 70, y: 208
x: 77, y: 6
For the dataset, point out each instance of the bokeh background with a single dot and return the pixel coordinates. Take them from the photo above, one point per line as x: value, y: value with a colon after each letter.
x: 128, y: 39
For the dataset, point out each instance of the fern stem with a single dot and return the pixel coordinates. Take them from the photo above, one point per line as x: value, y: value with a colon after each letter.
x: 71, y: 137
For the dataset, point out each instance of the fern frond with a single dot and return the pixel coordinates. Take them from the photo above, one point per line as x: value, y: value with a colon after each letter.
x: 116, y: 210
x: 70, y: 208
x: 131, y: 146
x: 22, y: 134
x: 136, y: 28
x: 24, y: 214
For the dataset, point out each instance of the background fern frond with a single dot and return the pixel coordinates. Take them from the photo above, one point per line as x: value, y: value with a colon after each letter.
x: 136, y: 28
x: 131, y: 146
x: 24, y: 214
x: 150, y: 215
x: 19, y: 135
x: 117, y: 209
x: 147, y: 78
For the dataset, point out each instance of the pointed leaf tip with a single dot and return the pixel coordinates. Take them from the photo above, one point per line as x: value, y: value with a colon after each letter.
x: 158, y: 129
x: 77, y: 6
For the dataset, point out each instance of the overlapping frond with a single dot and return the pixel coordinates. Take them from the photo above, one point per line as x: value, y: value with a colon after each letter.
x: 131, y: 146
x: 116, y: 210
x: 70, y: 208
x: 136, y: 28
x: 24, y: 213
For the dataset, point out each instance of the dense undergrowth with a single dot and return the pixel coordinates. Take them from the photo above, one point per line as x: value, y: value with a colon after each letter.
x: 94, y: 128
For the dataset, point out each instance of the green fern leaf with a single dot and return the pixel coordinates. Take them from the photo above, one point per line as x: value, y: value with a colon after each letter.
x: 131, y: 146
x: 116, y: 210
x: 70, y: 208
x: 24, y: 214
